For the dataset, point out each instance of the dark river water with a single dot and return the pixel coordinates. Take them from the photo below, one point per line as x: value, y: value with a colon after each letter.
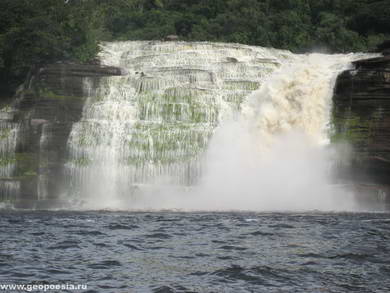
x: 197, y: 252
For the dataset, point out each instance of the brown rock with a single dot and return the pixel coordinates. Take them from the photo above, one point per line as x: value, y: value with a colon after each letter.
x: 46, y: 107
x: 386, y: 52
x: 171, y: 38
x: 362, y: 117
x: 383, y: 46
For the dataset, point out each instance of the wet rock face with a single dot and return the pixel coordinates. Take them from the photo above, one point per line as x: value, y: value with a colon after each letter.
x: 385, y: 46
x: 36, y: 126
x: 362, y: 117
x: 171, y: 38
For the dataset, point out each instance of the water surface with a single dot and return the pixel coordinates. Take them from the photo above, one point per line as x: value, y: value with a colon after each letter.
x: 198, y: 252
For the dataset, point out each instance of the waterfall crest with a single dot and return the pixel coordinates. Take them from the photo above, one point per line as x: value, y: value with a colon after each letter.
x: 202, y: 115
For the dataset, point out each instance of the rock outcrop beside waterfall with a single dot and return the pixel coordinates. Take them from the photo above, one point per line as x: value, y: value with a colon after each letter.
x: 35, y: 127
x: 362, y: 118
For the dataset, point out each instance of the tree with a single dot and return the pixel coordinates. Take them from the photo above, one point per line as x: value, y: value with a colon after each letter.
x: 44, y: 31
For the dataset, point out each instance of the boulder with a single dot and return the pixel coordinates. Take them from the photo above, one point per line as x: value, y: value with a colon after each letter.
x: 231, y: 60
x: 383, y: 46
x: 171, y: 38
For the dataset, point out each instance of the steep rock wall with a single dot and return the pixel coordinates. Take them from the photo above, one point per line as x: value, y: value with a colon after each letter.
x: 34, y: 129
x: 362, y: 118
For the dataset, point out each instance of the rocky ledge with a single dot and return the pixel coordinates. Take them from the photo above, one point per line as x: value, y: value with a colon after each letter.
x: 42, y: 114
x: 362, y: 118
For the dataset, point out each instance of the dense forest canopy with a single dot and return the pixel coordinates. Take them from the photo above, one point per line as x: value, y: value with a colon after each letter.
x: 43, y: 31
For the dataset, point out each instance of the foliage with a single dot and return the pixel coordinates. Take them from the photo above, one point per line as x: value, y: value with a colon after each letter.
x: 43, y: 31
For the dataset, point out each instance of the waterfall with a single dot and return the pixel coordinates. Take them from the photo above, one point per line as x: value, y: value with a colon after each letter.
x: 9, y: 189
x: 201, y: 115
x: 297, y: 98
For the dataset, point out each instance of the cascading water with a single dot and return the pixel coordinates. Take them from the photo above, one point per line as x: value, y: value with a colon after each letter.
x: 282, y: 159
x: 151, y: 128
x: 8, y: 139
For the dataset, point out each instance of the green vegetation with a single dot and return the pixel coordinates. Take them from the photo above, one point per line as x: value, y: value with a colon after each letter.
x: 81, y: 162
x: 5, y: 161
x: 43, y: 31
x: 353, y: 129
x: 5, y: 133
x: 26, y: 164
x: 44, y: 92
x: 166, y: 143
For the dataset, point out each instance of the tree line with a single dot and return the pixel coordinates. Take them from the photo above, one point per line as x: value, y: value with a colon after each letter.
x: 44, y: 31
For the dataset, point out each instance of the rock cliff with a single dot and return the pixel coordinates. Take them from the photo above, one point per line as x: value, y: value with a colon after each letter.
x: 34, y: 129
x: 362, y: 118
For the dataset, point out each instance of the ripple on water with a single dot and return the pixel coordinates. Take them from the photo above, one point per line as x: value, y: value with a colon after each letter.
x: 158, y: 236
x: 261, y: 233
x: 232, y: 247
x: 89, y: 233
x: 122, y: 227
x: 99, y: 244
x: 136, y: 252
x: 106, y: 264
x: 129, y: 244
x: 67, y: 244
x: 172, y: 289
x: 57, y: 272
